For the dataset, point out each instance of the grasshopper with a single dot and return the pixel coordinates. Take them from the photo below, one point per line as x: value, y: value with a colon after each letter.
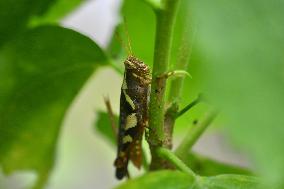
x: 133, y: 116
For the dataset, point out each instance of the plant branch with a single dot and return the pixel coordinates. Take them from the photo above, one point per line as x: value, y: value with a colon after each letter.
x: 111, y: 117
x: 195, y: 132
x: 164, y: 31
x: 172, y: 158
x: 189, y: 106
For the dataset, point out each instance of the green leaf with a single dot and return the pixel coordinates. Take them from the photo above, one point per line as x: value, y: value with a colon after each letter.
x: 14, y: 15
x: 209, y: 167
x: 41, y: 72
x: 60, y: 9
x: 178, y: 180
x: 103, y: 126
x: 228, y: 182
x: 242, y: 46
x: 160, y: 180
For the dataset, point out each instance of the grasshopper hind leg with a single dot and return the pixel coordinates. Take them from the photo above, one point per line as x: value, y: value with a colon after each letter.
x: 121, y: 167
x: 121, y: 172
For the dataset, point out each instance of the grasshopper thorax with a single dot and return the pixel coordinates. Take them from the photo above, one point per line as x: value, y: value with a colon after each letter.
x: 138, y: 69
x: 133, y: 63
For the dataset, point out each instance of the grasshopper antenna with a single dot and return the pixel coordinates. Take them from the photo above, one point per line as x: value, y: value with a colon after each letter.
x: 127, y: 47
x: 127, y: 35
x: 119, y: 39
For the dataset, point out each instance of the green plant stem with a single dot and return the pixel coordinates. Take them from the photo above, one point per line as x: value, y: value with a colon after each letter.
x: 181, y: 64
x: 164, y: 31
x: 195, y: 132
x: 176, y: 84
x: 172, y: 158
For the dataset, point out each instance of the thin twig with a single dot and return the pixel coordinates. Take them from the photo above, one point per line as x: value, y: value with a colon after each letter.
x: 111, y: 117
x: 195, y: 132
x: 189, y: 106
x: 171, y: 157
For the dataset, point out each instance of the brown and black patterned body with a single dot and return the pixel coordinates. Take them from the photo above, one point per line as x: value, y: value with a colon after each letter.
x: 133, y: 114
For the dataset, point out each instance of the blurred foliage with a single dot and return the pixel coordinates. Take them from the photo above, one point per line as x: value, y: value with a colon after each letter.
x: 15, y: 15
x: 237, y: 61
x: 60, y: 9
x: 242, y: 44
x: 179, y: 180
x: 38, y: 83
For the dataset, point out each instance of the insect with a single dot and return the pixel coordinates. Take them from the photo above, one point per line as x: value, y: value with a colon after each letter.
x: 133, y: 116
